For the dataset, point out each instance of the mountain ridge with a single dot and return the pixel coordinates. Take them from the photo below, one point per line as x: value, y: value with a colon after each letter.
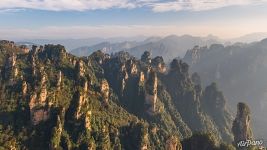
x: 52, y: 99
x: 167, y: 47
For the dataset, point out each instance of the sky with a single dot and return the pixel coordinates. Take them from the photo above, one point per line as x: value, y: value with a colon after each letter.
x: 61, y: 19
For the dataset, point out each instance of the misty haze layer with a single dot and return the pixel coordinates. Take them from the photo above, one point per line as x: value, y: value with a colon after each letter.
x: 240, y: 70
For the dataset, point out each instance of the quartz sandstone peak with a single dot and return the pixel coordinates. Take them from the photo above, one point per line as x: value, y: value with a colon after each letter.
x: 24, y: 88
x: 11, y: 71
x: 146, y: 57
x: 87, y: 121
x: 104, y: 89
x: 59, y: 79
x: 173, y: 143
x: 79, y: 67
x: 159, y: 64
x: 151, y: 92
x: 81, y: 103
x: 242, y: 129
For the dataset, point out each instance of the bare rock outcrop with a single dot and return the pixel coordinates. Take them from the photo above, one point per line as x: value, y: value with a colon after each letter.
x: 11, y: 71
x: 43, y: 91
x: 158, y: 64
x: 38, y: 101
x: 38, y: 111
x: 59, y: 79
x: 24, y: 49
x: 141, y: 78
x: 146, y: 57
x: 87, y: 120
x: 242, y: 129
x: 81, y: 102
x: 123, y: 77
x: 192, y: 56
x: 79, y: 67
x: 133, y: 69
x: 151, y: 93
x: 104, y: 89
x: 24, y: 88
x: 173, y: 143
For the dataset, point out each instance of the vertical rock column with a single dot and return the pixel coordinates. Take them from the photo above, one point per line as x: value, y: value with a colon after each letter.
x: 173, y: 143
x: 105, y: 91
x: 242, y: 124
x: 151, y: 93
x: 11, y: 71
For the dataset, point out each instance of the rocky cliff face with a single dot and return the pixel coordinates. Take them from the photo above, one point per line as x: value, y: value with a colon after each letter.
x: 173, y: 143
x: 195, y: 105
x: 192, y: 56
x: 242, y: 128
x: 159, y: 64
x: 214, y: 103
x: 237, y: 69
x: 151, y: 93
x: 102, y: 101
x: 105, y: 91
x: 10, y: 69
x: 146, y: 57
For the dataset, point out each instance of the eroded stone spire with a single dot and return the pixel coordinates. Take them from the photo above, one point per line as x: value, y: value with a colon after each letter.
x: 242, y: 129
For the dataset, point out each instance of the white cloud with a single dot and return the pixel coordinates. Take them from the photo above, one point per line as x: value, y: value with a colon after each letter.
x: 155, y: 5
x: 60, y: 5
x: 200, y: 5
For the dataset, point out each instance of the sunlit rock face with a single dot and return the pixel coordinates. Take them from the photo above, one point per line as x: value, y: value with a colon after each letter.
x: 43, y: 96
x: 141, y: 78
x: 24, y: 88
x: 151, y: 93
x: 38, y: 99
x: 81, y: 103
x: 59, y: 79
x: 43, y: 92
x: 123, y: 76
x: 10, y: 69
x: 242, y: 129
x: 38, y: 112
x: 104, y: 89
x: 133, y: 68
x: 24, y: 49
x: 87, y: 120
x: 173, y: 143
x: 32, y: 59
x: 80, y: 70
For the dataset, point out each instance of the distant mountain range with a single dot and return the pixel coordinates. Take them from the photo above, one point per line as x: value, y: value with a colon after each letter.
x: 253, y: 37
x: 167, y: 47
x: 71, y: 44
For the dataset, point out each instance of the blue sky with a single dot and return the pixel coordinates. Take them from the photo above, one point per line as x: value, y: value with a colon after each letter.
x: 111, y: 18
